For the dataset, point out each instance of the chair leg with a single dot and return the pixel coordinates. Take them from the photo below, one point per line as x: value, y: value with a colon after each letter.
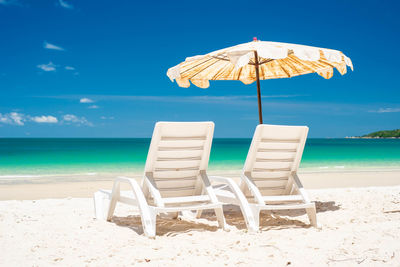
x: 219, y: 212
x: 198, y: 214
x: 149, y: 223
x: 251, y: 217
x: 255, y: 225
x: 98, y: 198
x: 111, y: 207
x: 312, y: 216
x: 189, y: 214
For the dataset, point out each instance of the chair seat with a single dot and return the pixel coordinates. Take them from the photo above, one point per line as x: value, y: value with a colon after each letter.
x: 188, y: 207
x: 127, y: 194
x: 285, y: 206
x: 173, y: 203
x: 283, y: 198
x: 223, y: 191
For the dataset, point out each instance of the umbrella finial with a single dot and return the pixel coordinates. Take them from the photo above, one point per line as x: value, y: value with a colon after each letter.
x: 255, y: 39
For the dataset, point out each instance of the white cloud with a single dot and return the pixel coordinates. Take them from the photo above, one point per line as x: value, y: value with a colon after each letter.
x: 93, y: 107
x: 106, y: 118
x: 44, y: 119
x: 195, y: 99
x: 47, y: 45
x: 183, y: 99
x: 4, y: 119
x: 69, y: 68
x: 14, y: 118
x: 17, y: 118
x: 66, y: 5
x: 86, y: 100
x: 386, y: 110
x: 47, y: 67
x: 226, y: 100
x: 70, y: 118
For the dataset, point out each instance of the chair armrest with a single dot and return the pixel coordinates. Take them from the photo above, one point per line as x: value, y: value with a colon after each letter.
x: 151, y: 185
x: 300, y: 187
x: 253, y: 188
x: 137, y: 191
x: 247, y: 211
x: 232, y: 185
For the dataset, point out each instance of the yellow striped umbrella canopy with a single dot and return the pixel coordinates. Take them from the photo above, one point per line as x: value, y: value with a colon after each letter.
x: 258, y: 60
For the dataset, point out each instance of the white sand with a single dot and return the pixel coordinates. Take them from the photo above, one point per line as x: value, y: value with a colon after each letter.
x: 359, y: 227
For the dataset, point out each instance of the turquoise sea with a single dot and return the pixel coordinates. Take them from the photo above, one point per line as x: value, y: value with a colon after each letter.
x: 35, y: 157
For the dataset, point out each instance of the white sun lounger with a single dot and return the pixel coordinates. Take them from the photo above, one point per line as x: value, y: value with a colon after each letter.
x: 175, y: 177
x: 269, y: 179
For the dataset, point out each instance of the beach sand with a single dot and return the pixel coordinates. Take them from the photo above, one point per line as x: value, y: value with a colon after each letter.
x: 359, y: 213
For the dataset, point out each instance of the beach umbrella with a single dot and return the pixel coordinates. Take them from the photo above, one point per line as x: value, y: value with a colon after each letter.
x: 258, y: 60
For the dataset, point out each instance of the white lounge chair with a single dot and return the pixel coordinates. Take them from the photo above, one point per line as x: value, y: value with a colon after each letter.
x: 269, y: 179
x: 175, y: 177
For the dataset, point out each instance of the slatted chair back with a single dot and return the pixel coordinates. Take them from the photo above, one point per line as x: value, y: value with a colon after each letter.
x: 178, y: 152
x: 275, y: 153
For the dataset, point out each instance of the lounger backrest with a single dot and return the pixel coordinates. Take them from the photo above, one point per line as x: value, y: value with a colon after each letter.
x: 275, y: 152
x: 177, y: 153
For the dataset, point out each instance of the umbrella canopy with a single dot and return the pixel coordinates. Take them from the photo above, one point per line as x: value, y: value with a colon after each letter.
x: 258, y: 60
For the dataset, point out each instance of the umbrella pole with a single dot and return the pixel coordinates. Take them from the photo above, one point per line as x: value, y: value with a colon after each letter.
x: 258, y: 87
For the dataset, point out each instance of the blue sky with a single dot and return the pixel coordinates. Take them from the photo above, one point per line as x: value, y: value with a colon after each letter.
x: 98, y: 68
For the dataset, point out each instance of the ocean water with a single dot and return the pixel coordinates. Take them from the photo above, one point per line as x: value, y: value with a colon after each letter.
x: 30, y: 157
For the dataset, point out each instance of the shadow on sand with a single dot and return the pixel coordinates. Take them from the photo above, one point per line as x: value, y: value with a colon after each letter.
x: 268, y: 220
x: 165, y: 226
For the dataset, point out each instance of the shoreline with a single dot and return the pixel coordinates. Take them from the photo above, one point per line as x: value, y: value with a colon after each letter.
x: 81, y: 187
x: 106, y: 174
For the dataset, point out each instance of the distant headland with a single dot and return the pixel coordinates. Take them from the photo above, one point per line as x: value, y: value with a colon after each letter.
x: 392, y: 134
